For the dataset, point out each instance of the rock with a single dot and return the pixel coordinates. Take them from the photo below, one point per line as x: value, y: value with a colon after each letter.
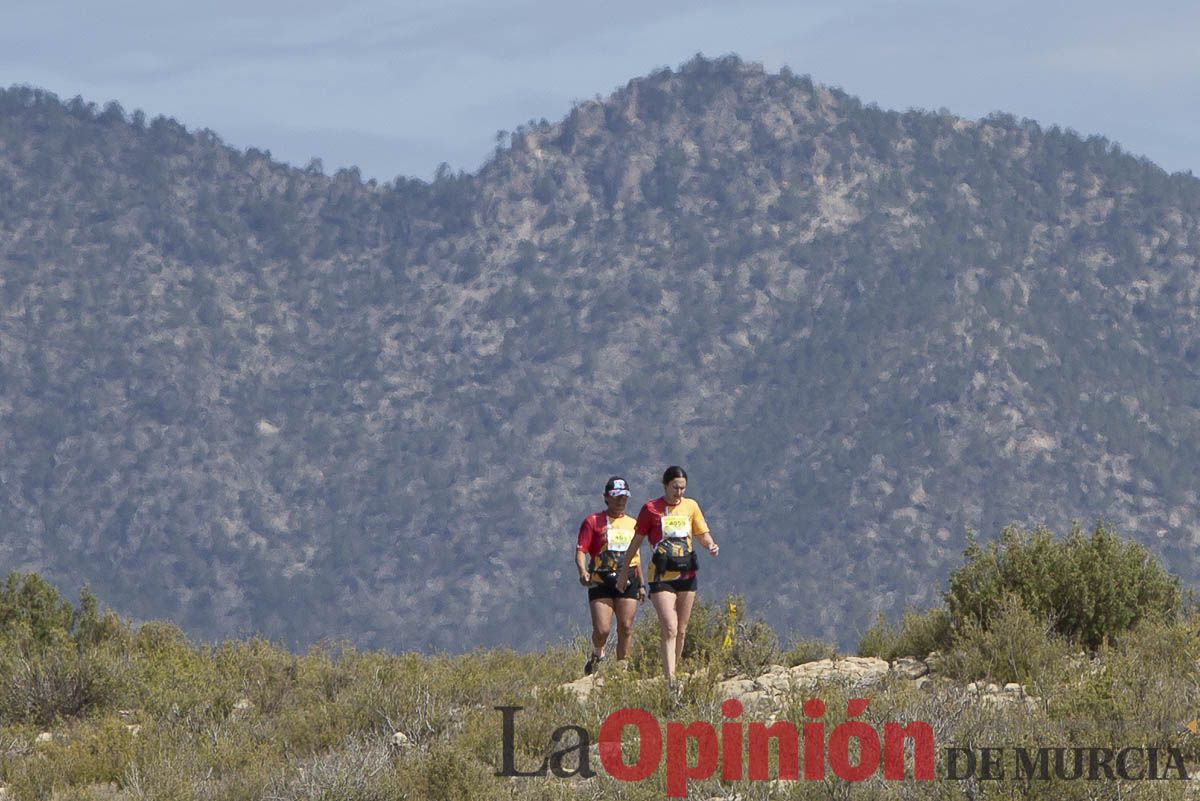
x: 134, y: 729
x: 737, y: 687
x: 759, y: 703
x: 583, y: 687
x: 1000, y: 702
x: 775, y: 682
x: 401, y: 740
x: 908, y: 667
x: 44, y: 737
x: 861, y: 670
x: 765, y: 692
x: 992, y: 697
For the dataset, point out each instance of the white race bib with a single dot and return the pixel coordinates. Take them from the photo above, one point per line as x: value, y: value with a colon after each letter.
x: 676, y: 526
x: 619, y: 538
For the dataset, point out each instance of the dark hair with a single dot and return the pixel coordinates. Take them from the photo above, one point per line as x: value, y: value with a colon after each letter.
x: 673, y: 472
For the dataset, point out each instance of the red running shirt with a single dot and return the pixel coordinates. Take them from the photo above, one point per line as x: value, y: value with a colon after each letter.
x: 594, y: 534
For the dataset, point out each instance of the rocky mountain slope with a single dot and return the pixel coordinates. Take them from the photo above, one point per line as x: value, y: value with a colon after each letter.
x: 256, y: 398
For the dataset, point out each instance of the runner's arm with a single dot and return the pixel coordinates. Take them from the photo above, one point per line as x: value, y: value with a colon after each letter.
x: 581, y: 560
x: 623, y: 575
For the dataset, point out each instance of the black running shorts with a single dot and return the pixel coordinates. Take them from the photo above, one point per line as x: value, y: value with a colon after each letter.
x: 602, y: 591
x: 678, y: 585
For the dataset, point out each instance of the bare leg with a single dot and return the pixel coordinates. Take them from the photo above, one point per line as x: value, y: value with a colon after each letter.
x: 683, y: 613
x: 602, y: 613
x: 668, y: 629
x: 626, y: 608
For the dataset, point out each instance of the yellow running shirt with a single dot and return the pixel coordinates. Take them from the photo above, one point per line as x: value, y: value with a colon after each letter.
x: 657, y: 520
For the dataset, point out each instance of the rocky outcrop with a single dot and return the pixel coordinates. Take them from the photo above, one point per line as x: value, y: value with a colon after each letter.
x: 909, y: 667
x: 995, y: 697
x: 766, y: 693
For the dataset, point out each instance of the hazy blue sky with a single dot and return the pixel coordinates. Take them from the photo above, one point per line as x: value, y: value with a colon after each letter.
x: 398, y: 87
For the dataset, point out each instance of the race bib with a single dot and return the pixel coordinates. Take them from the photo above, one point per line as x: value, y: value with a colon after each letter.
x: 676, y: 526
x: 619, y: 538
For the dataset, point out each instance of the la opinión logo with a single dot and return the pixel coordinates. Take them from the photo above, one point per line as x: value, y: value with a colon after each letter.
x: 740, y: 751
x: 854, y: 751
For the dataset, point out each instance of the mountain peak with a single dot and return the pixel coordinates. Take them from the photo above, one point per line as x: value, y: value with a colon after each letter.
x: 252, y: 397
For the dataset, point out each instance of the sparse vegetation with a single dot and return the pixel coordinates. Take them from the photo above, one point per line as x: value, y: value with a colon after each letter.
x: 1087, y: 588
x: 95, y: 709
x: 1016, y: 607
x: 918, y: 634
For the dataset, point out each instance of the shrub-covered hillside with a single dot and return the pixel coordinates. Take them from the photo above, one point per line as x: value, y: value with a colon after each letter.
x: 94, y: 708
x: 257, y: 399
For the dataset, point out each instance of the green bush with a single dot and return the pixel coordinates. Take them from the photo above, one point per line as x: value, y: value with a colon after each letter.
x: 754, y: 648
x: 451, y: 775
x: 721, y: 636
x: 1090, y: 588
x: 92, y: 627
x: 350, y: 772
x: 91, y: 754
x: 919, y: 634
x: 877, y: 640
x: 1149, y: 683
x: 1017, y: 646
x: 178, y: 681
x: 61, y: 683
x: 806, y: 650
x: 32, y: 613
x: 34, y: 616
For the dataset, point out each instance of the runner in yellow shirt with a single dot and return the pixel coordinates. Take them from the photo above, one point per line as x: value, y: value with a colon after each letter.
x: 671, y: 523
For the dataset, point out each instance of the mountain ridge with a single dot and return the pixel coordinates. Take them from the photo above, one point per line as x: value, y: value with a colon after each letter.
x: 290, y: 390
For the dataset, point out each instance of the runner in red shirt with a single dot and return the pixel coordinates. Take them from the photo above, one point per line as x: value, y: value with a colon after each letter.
x: 671, y: 523
x: 599, y: 554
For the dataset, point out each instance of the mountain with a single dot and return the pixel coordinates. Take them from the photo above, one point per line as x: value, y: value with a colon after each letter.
x: 250, y: 397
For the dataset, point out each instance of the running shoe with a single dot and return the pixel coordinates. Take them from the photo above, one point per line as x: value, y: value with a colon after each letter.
x: 591, y: 664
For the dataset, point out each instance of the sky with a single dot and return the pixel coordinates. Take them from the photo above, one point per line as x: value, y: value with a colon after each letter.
x: 396, y: 88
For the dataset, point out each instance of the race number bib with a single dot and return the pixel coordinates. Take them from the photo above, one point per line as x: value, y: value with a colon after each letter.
x: 619, y: 538
x: 676, y: 526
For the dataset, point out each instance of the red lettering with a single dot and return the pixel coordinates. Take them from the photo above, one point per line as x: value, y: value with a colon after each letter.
x: 731, y: 741
x: 894, y: 735
x: 787, y: 739
x: 649, y: 744
x: 814, y: 740
x: 868, y: 745
x: 678, y: 769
